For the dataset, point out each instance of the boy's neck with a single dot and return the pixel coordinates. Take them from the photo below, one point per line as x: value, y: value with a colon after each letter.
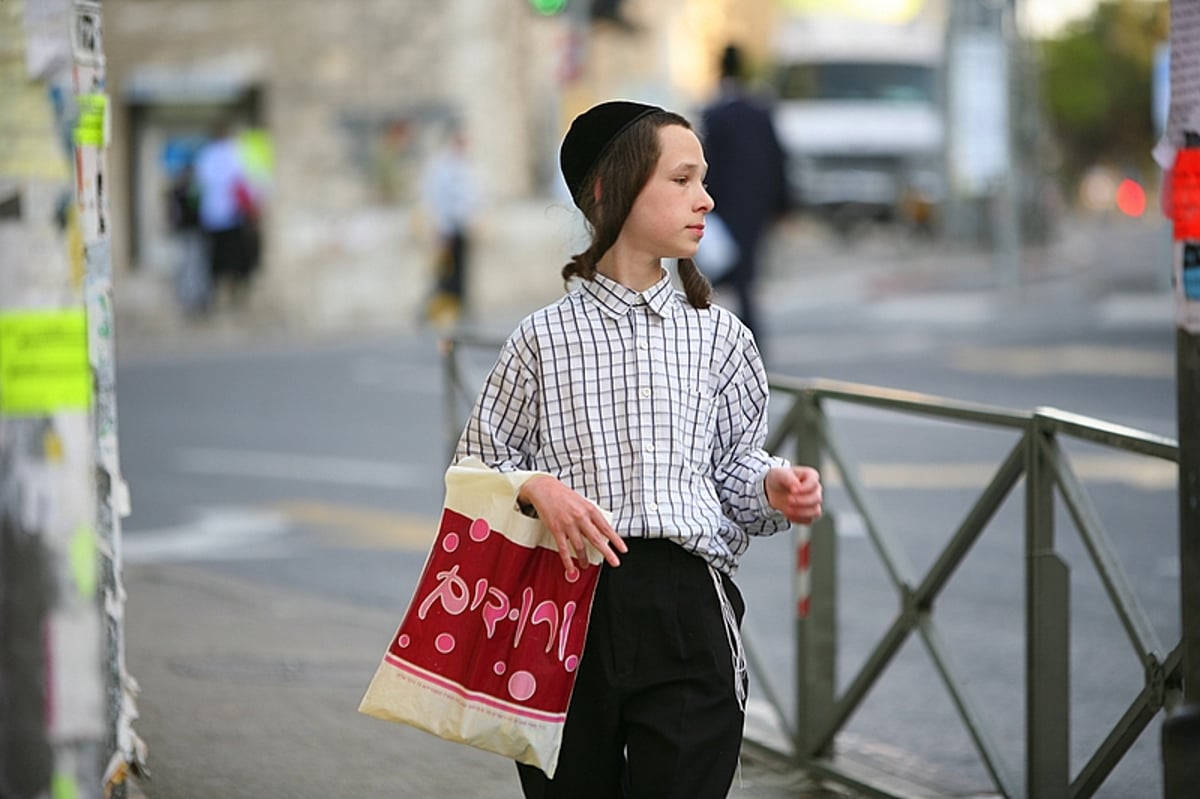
x: 633, y: 274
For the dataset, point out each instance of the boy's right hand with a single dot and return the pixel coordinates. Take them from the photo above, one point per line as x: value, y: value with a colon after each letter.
x: 573, y: 520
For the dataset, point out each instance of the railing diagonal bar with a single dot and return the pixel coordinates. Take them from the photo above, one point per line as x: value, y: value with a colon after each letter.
x: 879, y: 659
x: 973, y: 525
x: 1126, y: 731
x: 972, y: 718
x: 893, y: 558
x: 1125, y: 601
x: 1123, y: 735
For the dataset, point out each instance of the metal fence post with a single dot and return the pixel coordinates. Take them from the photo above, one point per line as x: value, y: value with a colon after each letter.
x: 1181, y: 752
x: 1181, y: 731
x: 1047, y: 587
x: 451, y: 385
x: 815, y: 601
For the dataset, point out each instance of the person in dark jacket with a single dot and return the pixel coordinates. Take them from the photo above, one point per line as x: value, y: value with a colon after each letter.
x: 746, y: 178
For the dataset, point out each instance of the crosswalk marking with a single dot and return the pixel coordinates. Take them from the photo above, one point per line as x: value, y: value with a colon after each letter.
x: 306, y: 468
x: 215, y: 534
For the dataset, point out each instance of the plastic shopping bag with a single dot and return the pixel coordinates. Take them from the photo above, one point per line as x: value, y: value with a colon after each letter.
x: 489, y: 648
x: 718, y: 251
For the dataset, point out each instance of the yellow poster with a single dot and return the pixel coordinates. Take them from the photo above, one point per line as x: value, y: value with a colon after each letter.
x: 44, y: 362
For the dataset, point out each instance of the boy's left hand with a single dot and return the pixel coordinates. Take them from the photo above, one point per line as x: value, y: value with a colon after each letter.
x: 795, y: 491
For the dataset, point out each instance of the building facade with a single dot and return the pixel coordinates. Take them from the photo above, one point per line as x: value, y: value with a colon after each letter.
x: 353, y: 95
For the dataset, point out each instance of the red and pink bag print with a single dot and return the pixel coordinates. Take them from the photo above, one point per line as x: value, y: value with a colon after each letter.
x: 489, y: 648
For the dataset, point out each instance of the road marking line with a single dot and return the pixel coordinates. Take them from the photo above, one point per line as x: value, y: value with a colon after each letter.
x: 361, y: 527
x: 307, y: 468
x: 1137, y: 309
x: 1042, y: 361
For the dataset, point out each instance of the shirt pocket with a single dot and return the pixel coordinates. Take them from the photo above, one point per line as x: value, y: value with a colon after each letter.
x: 694, y: 427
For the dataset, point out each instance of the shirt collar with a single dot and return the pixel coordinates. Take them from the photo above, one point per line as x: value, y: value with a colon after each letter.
x: 616, y: 299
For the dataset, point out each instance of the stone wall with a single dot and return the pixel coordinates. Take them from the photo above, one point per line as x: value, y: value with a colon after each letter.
x: 353, y: 93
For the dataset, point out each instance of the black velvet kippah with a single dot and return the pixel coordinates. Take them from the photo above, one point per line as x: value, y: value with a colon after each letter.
x: 592, y: 133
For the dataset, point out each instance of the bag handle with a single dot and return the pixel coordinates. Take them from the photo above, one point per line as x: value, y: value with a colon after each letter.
x: 477, y: 490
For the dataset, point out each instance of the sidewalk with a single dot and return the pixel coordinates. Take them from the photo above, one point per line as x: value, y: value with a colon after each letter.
x: 271, y: 710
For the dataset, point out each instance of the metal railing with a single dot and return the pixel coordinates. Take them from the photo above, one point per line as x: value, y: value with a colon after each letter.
x: 1040, y: 458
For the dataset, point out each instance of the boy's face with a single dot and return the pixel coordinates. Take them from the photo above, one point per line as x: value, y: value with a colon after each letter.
x: 667, y: 218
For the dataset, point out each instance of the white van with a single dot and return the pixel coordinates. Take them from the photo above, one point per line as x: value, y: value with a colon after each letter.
x: 859, y: 114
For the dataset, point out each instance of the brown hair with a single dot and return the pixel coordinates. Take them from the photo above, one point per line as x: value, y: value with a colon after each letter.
x: 622, y: 172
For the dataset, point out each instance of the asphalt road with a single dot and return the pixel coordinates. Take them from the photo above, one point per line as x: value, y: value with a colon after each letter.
x: 317, y: 467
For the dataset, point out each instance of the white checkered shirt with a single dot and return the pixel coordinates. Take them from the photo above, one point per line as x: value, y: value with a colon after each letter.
x: 647, y: 406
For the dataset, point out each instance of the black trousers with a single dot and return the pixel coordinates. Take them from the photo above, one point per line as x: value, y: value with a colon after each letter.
x: 229, y: 255
x: 452, y: 266
x: 655, y: 713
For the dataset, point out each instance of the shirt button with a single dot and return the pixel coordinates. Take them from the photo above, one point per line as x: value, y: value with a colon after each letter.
x: 653, y: 506
x: 643, y: 344
x: 645, y: 392
x: 649, y: 447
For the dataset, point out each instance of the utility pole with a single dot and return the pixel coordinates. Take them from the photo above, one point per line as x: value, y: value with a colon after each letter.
x: 982, y: 165
x: 65, y: 712
x: 1180, y: 148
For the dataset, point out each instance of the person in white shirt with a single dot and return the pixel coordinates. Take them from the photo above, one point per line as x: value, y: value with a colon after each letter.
x: 652, y: 404
x: 227, y: 207
x: 451, y: 196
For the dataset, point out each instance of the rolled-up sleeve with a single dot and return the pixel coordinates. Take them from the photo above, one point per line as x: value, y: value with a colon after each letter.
x: 740, y: 463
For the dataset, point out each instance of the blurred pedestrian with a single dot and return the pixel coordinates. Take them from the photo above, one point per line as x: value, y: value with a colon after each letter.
x: 746, y: 177
x: 192, y: 283
x: 228, y: 214
x: 652, y: 403
x: 451, y: 196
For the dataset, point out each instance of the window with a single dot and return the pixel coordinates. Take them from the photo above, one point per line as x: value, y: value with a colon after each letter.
x: 912, y: 83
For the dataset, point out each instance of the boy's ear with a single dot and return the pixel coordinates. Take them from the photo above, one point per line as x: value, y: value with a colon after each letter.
x: 596, y: 191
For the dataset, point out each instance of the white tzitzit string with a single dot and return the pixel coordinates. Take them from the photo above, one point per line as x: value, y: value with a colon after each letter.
x: 734, y: 635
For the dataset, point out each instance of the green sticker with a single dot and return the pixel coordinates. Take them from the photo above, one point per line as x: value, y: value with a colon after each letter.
x: 63, y: 786
x: 89, y: 129
x: 83, y: 560
x: 44, y: 362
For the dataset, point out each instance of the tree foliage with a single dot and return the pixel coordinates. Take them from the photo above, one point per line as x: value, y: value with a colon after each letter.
x: 1096, y: 83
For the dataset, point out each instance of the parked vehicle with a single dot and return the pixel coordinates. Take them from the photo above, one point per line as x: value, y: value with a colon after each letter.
x: 859, y: 115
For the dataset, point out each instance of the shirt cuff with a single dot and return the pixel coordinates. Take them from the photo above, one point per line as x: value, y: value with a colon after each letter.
x: 761, y: 488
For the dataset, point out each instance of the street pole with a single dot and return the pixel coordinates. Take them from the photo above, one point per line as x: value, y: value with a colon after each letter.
x: 125, y: 752
x: 1181, y: 730
x: 65, y: 715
